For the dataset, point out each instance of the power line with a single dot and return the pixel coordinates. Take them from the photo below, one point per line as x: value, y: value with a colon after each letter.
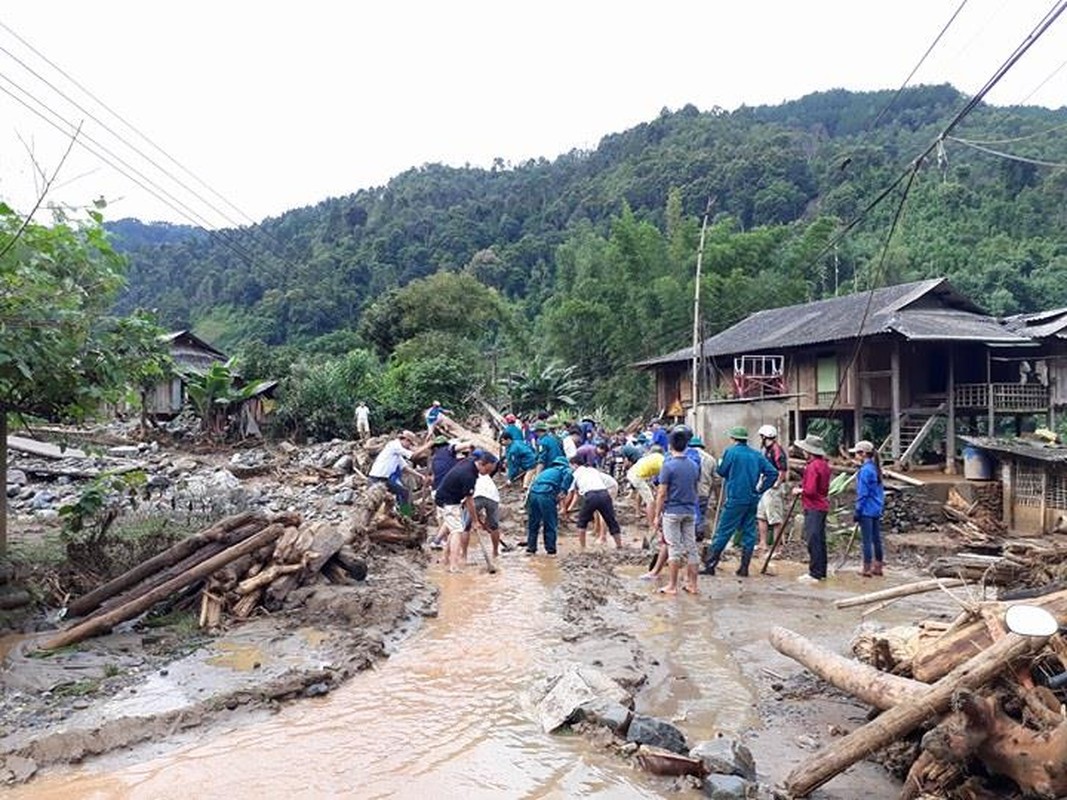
x: 1009, y: 156
x: 145, y: 184
x: 117, y: 135
x: 1041, y: 85
x: 1014, y: 139
x: 915, y: 69
x: 123, y: 120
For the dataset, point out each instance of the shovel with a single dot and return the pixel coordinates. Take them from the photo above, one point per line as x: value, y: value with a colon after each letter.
x: 489, y: 565
x: 848, y: 548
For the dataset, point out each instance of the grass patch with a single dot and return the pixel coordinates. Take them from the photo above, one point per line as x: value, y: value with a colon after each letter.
x: 77, y: 688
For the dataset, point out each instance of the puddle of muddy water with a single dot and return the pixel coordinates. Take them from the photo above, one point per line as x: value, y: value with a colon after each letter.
x: 444, y: 715
x: 241, y: 657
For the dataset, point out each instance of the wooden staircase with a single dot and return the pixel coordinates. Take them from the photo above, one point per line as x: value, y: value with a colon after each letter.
x: 915, y: 426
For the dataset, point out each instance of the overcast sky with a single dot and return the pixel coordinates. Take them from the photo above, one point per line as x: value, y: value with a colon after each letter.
x: 280, y: 105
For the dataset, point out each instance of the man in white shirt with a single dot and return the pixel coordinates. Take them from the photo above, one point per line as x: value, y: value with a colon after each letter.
x: 362, y: 420
x: 595, y: 488
x: 487, y: 504
x: 394, y: 460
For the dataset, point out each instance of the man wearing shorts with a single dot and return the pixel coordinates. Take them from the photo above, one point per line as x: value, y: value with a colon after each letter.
x: 455, y: 494
x: 770, y: 513
x: 676, y: 500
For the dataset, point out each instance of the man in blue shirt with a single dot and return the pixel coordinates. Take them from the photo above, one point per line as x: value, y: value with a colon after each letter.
x: 746, y: 474
x: 542, y: 504
x: 659, y: 436
x: 549, y: 447
x: 521, y: 458
x: 676, y: 500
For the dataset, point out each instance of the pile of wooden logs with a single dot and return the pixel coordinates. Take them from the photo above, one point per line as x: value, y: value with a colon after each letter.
x: 974, y: 513
x: 970, y: 694
x: 241, y: 563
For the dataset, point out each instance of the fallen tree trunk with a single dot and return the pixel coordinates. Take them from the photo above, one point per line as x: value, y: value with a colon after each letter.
x: 172, y: 555
x: 935, y: 659
x: 896, y: 592
x: 167, y: 573
x: 105, y: 622
x: 365, y: 508
x: 879, y: 689
x: 904, y: 718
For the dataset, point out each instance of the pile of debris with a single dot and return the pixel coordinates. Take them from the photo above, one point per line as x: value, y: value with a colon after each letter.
x: 243, y: 562
x: 974, y: 512
x: 974, y: 707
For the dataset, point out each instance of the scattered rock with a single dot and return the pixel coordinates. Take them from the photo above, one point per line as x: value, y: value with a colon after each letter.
x: 607, y: 714
x: 16, y: 769
x: 317, y: 689
x: 726, y: 757
x: 726, y: 787
x: 17, y: 477
x: 577, y: 686
x: 12, y: 598
x: 345, y: 497
x: 343, y: 464
x: 662, y: 762
x: 656, y: 733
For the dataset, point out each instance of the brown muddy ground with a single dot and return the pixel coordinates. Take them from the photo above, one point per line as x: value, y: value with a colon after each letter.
x: 702, y: 662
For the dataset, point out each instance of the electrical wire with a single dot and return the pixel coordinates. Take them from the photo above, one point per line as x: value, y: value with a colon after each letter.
x: 1009, y: 156
x: 907, y: 80
x: 161, y: 195
x: 124, y: 121
x: 1014, y: 139
x: 1041, y: 85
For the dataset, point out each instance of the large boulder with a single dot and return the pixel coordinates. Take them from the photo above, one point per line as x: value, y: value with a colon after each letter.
x: 726, y: 757
x: 656, y: 733
x: 574, y: 688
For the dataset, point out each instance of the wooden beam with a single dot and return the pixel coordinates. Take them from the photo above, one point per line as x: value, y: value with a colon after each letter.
x: 902, y: 719
x: 950, y: 422
x: 894, y: 366
x: 856, y: 387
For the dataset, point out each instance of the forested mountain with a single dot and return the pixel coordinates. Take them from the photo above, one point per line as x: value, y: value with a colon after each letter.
x: 589, y: 258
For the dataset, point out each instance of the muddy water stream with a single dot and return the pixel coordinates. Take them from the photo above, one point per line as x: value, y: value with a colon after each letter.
x: 444, y: 716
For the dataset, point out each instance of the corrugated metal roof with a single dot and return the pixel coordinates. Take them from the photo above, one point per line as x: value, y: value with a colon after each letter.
x: 929, y: 309
x: 1024, y: 448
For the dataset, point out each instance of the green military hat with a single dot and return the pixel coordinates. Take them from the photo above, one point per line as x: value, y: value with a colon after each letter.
x: 738, y: 432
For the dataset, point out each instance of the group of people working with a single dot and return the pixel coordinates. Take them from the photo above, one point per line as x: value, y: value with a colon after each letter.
x: 672, y: 477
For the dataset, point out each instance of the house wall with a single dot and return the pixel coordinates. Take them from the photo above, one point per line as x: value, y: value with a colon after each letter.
x: 1038, y: 496
x: 712, y: 420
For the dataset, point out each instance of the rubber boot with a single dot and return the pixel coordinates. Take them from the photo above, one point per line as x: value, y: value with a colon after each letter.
x: 876, y: 568
x: 746, y: 559
x: 712, y: 562
x: 866, y: 572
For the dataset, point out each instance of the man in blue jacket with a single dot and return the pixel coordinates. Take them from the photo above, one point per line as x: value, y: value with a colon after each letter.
x: 549, y: 447
x: 542, y: 504
x: 746, y: 474
x: 521, y: 458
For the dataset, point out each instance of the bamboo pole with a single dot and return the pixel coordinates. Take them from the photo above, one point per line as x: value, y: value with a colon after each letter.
x: 904, y: 718
x: 904, y: 590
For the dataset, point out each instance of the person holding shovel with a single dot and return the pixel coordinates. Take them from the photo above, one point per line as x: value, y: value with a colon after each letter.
x: 455, y: 495
x: 814, y: 491
x: 542, y: 504
x: 746, y: 474
x: 870, y: 502
x: 521, y: 459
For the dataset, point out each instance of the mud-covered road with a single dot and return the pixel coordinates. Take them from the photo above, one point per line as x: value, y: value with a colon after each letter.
x: 448, y: 713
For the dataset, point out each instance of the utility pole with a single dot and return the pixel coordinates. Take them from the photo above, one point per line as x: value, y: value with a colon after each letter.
x: 696, y: 309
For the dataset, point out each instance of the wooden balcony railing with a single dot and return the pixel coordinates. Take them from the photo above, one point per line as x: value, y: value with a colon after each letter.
x: 1006, y: 396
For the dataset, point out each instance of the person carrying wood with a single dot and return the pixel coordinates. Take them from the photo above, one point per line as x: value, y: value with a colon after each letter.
x: 814, y: 491
x: 746, y: 474
x: 870, y: 502
x: 455, y: 494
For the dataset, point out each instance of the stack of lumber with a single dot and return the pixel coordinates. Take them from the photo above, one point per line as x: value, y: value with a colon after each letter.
x: 243, y: 562
x: 970, y: 694
x: 1015, y: 563
x: 974, y: 513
